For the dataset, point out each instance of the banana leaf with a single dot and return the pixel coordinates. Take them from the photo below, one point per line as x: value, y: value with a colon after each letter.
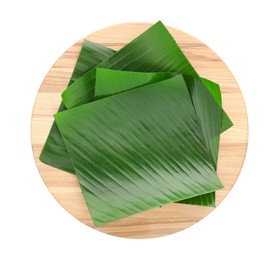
x: 152, y: 51
x: 54, y: 152
x: 214, y: 90
x: 138, y: 150
x: 110, y: 82
x: 90, y: 56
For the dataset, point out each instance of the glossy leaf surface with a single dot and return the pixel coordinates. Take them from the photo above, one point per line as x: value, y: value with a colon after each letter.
x: 109, y: 82
x: 54, y: 152
x: 148, y: 150
x: 152, y: 51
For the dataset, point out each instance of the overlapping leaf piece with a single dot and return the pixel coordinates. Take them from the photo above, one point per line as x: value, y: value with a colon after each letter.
x: 54, y: 151
x: 139, y: 128
x: 110, y: 82
x: 138, y: 150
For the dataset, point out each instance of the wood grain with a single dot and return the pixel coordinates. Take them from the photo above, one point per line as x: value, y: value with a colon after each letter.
x: 170, y: 218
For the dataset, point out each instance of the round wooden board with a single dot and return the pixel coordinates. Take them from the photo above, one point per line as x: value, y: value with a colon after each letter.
x: 170, y: 218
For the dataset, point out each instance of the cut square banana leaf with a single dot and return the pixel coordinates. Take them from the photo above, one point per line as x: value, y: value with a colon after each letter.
x: 54, y: 152
x: 209, y: 113
x: 138, y: 150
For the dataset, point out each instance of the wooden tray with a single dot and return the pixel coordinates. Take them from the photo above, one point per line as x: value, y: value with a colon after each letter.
x: 170, y: 218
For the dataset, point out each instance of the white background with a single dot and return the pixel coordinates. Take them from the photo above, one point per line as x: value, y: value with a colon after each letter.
x: 35, y: 33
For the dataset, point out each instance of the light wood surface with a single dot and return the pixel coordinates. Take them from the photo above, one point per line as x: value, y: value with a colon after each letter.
x: 170, y: 218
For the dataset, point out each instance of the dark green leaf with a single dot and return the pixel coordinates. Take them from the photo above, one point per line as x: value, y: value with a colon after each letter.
x: 154, y: 50
x: 54, y: 152
x: 109, y: 82
x: 138, y: 150
x: 214, y: 90
x: 90, y: 56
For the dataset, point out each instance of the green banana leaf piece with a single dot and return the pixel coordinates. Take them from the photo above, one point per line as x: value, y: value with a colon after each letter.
x: 214, y: 90
x: 90, y: 56
x: 152, y: 51
x: 138, y: 150
x: 210, y: 118
x: 110, y: 82
x: 54, y: 152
